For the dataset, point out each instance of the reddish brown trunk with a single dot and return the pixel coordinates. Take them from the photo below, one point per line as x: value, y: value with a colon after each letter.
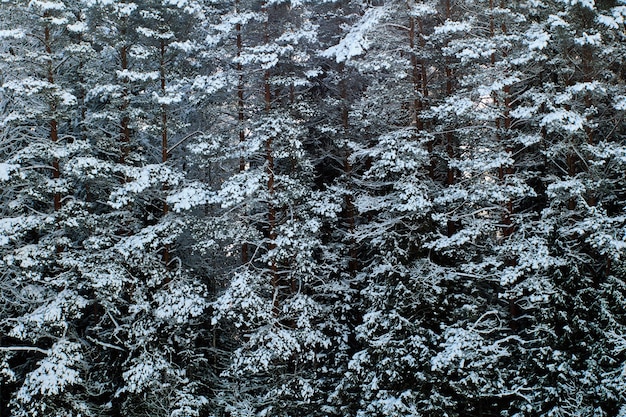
x: 163, y: 106
x: 449, y: 136
x: 241, y: 114
x: 268, y: 92
x: 269, y: 156
x: 508, y: 229
x: 416, y: 77
x: 450, y: 176
x: 164, y: 140
x: 125, y: 122
x: 54, y: 129
x: 503, y: 25
x: 353, y: 264
x: 422, y: 62
x: 431, y: 165
x: 420, y: 80
x: 508, y: 211
x: 56, y: 173
x: 507, y: 107
x: 343, y: 93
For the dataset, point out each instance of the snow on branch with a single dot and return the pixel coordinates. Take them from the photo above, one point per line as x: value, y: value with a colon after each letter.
x: 356, y: 42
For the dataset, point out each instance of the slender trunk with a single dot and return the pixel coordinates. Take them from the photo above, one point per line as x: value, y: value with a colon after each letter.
x: 125, y: 122
x: 492, y: 29
x: 449, y: 135
x: 450, y: 177
x: 293, y: 283
x: 54, y: 129
x: 82, y: 93
x: 587, y: 57
x: 241, y: 113
x: 271, y: 220
x: 423, y: 67
x: 353, y: 264
x: 269, y: 159
x: 163, y: 106
x: 164, y: 138
x: 416, y: 77
x: 418, y: 73
x: 504, y: 125
x: 420, y: 85
x: 587, y: 68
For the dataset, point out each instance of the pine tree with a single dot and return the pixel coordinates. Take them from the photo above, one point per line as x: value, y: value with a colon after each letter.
x: 569, y: 109
x: 42, y: 350
x: 276, y: 304
x: 319, y: 208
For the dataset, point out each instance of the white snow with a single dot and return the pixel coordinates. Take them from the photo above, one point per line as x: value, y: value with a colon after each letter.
x: 356, y: 41
x: 537, y: 40
x: 11, y: 34
x: 6, y: 170
x: 587, y: 39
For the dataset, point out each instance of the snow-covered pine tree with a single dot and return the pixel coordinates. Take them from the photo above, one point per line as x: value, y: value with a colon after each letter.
x: 476, y: 363
x: 388, y: 157
x: 563, y: 280
x: 406, y: 269
x: 404, y: 208
x: 148, y: 300
x: 274, y: 317
x: 42, y: 209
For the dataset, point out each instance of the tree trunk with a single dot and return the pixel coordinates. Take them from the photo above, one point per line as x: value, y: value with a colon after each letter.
x: 353, y: 263
x: 54, y: 129
x: 125, y: 122
x: 241, y: 113
x: 164, y: 139
x: 269, y: 159
x: 450, y: 151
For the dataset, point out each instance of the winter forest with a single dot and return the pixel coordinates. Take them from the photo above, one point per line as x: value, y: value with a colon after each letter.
x: 312, y: 208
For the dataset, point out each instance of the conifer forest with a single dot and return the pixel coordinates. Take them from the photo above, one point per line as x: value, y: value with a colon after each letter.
x: 312, y: 208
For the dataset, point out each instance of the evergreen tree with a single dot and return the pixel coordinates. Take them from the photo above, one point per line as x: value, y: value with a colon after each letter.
x: 571, y: 107
x: 44, y: 302
x: 312, y: 208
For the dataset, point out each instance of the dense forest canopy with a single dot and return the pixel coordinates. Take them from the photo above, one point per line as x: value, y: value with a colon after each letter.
x: 236, y: 208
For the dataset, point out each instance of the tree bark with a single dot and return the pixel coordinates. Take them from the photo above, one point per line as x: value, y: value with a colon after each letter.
x: 54, y: 129
x: 269, y: 159
x: 166, y: 256
x: 450, y: 151
x: 241, y: 112
x: 125, y: 122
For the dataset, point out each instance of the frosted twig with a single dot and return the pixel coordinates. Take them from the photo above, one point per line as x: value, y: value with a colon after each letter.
x: 104, y: 344
x: 180, y: 142
x: 23, y: 349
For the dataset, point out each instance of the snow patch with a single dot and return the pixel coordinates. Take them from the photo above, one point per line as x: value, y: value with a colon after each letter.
x: 356, y: 42
x: 11, y: 34
x: 6, y: 170
x: 587, y: 39
x: 620, y: 103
